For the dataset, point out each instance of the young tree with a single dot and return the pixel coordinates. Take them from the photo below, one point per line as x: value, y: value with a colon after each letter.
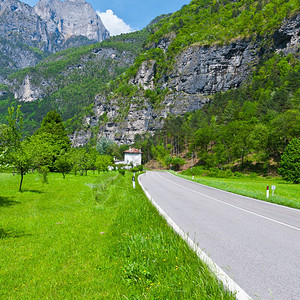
x: 81, y: 160
x: 290, y: 162
x: 4, y: 144
x: 43, y: 152
x: 103, y: 162
x: 106, y: 146
x: 20, y: 154
x: 22, y: 158
x: 63, y: 163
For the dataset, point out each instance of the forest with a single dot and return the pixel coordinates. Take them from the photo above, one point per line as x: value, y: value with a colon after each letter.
x: 245, y: 129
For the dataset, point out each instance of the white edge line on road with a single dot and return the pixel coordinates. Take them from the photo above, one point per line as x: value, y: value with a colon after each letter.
x: 228, y: 204
x: 232, y: 286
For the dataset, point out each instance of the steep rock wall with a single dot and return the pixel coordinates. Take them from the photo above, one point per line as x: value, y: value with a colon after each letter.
x: 198, y: 73
x: 71, y: 18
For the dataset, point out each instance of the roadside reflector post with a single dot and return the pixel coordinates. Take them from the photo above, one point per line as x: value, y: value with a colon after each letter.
x: 273, y: 187
x: 133, y: 182
x: 268, y: 192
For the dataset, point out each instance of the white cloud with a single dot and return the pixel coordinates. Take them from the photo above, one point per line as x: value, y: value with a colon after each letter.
x: 113, y: 23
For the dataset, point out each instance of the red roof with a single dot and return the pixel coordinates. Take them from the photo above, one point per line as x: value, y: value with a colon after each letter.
x: 133, y: 150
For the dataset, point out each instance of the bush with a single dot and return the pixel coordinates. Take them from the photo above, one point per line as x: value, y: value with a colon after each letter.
x: 122, y: 172
x: 238, y: 174
x: 290, y: 162
x: 253, y: 175
x: 213, y: 172
x: 197, y: 171
x: 228, y: 174
x: 177, y: 162
x: 135, y: 169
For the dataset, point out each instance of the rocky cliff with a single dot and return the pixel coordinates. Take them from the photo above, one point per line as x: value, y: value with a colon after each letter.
x: 28, y: 34
x: 71, y: 18
x: 22, y: 33
x: 198, y: 73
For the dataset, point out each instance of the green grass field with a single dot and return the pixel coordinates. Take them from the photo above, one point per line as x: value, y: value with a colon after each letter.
x: 92, y: 237
x: 285, y: 193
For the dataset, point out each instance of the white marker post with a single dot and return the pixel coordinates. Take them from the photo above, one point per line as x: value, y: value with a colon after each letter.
x: 133, y: 182
x: 268, y: 192
x: 273, y: 187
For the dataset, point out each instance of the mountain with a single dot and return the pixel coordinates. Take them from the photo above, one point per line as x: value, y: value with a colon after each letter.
x: 183, y: 62
x: 206, y: 48
x: 69, y: 80
x: 29, y: 34
x: 71, y: 18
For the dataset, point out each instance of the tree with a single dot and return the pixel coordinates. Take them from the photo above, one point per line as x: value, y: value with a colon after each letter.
x: 103, y: 162
x: 52, y: 124
x: 21, y: 158
x: 105, y: 146
x: 63, y: 163
x: 4, y: 144
x: 20, y: 154
x: 290, y: 162
x: 284, y: 128
x: 81, y: 160
x: 43, y: 152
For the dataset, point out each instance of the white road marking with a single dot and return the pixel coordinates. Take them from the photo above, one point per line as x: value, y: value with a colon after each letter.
x: 237, y: 207
x: 231, y: 285
x: 246, y: 197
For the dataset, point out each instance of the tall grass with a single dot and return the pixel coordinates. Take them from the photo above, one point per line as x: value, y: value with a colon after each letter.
x: 93, y: 237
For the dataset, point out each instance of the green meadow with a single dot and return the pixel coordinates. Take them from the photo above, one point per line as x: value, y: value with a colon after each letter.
x: 93, y: 237
x: 285, y: 193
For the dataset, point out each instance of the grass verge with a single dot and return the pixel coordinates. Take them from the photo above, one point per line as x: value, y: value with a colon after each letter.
x: 285, y: 193
x: 93, y: 237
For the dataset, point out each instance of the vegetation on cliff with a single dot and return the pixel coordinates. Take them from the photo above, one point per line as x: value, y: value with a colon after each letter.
x: 248, y: 127
x: 70, y: 79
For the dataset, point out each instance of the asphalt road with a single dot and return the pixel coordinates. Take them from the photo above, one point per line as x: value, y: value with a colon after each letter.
x: 255, y: 242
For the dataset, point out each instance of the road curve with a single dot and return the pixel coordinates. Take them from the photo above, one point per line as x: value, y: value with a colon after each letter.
x: 255, y: 242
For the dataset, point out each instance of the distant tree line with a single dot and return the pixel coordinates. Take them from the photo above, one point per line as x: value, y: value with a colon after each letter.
x: 49, y: 149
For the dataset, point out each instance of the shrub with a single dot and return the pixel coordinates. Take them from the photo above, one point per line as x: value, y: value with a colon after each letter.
x: 253, y: 175
x: 122, y: 172
x: 238, y: 174
x: 213, y: 172
x: 197, y: 171
x: 228, y: 174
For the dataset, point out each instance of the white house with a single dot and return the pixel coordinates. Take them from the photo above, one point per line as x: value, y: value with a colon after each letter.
x: 133, y: 156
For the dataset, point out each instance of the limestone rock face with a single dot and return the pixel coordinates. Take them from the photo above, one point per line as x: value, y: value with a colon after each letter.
x: 198, y: 73
x: 27, y: 92
x: 208, y: 70
x: 20, y: 29
x: 145, y: 75
x: 29, y: 34
x: 71, y: 18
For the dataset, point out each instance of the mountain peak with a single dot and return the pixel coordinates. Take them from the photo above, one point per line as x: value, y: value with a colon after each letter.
x: 71, y: 18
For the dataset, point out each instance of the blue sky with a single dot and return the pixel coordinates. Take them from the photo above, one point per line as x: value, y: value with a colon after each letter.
x: 136, y: 14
